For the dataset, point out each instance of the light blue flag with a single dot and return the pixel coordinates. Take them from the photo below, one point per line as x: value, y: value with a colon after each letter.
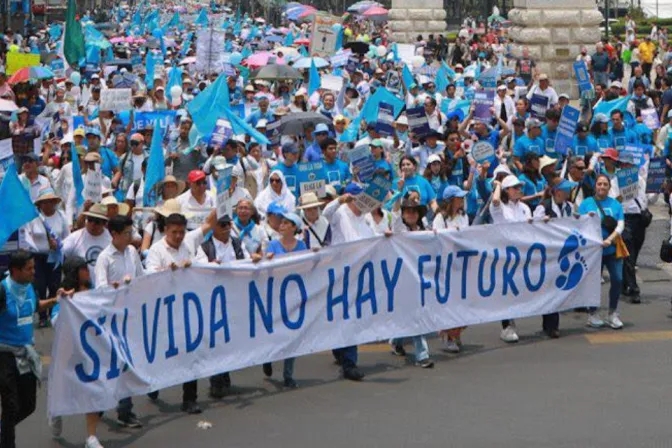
x: 339, y: 39
x: 314, y: 80
x: 209, y: 105
x: 174, y: 79
x: 370, y: 110
x: 303, y: 51
x: 240, y: 127
x: 289, y: 39
x: 137, y: 18
x: 441, y: 80
x: 407, y: 76
x: 172, y: 23
x: 150, y: 63
x: 395, y: 52
x: 455, y: 108
x: 202, y: 19
x: 156, y: 169
x: 92, y: 55
x: 607, y: 107
x: 350, y: 133
x: 77, y: 177
x: 17, y: 208
x: 246, y: 53
x: 187, y: 44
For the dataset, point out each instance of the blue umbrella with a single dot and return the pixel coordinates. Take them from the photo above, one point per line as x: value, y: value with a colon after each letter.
x: 306, y: 62
x: 274, y: 38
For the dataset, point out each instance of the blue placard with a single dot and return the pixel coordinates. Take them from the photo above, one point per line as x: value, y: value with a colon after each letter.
x: 340, y: 59
x: 483, y: 102
x: 385, y: 119
x: 582, y: 76
x: 222, y: 133
x: 312, y: 176
x: 417, y: 121
x: 656, y: 175
x: 58, y: 67
x: 361, y: 158
x: 539, y: 106
x: 78, y: 122
x: 378, y: 188
x: 633, y: 154
x: 566, y: 130
x: 142, y: 120
x: 628, y: 182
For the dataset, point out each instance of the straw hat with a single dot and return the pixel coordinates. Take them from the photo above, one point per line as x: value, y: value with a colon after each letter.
x: 171, y: 207
x: 111, y: 200
x: 309, y: 200
x: 545, y: 161
x: 97, y: 211
x: 46, y: 194
x: 181, y: 185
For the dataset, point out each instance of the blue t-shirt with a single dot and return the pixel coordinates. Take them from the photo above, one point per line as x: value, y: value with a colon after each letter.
x: 384, y: 167
x: 530, y: 188
x: 548, y: 137
x: 621, y: 138
x: 422, y: 186
x: 313, y: 153
x: 275, y: 247
x: 611, y: 208
x: 338, y: 174
x: 110, y: 161
x: 584, y: 146
x: 525, y: 144
x: 438, y: 185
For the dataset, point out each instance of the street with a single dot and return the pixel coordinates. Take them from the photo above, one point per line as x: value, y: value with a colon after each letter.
x: 590, y: 388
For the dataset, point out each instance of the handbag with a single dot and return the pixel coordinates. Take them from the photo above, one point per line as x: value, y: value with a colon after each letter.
x: 621, y: 248
x: 609, y: 223
x: 647, y: 216
x: 666, y: 251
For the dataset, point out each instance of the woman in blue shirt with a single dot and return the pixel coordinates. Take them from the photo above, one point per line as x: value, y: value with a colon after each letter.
x: 534, y: 184
x: 437, y: 174
x: 383, y: 167
x: 411, y: 181
x: 290, y: 227
x: 610, y: 212
x: 600, y: 132
x: 584, y: 143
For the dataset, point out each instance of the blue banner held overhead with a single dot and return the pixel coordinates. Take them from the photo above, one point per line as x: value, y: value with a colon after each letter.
x: 566, y: 130
x: 582, y: 76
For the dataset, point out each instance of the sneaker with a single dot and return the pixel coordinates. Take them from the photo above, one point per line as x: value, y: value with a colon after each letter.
x: 191, y: 407
x: 451, y: 346
x: 56, y: 425
x: 594, y: 321
x: 93, y: 442
x: 129, y: 420
x: 614, y: 321
x: 509, y: 334
x: 398, y: 350
x: 425, y: 363
x: 268, y: 369
x: 353, y: 374
x: 290, y: 383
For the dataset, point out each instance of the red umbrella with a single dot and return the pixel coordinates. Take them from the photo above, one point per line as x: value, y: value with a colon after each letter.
x: 302, y: 41
x: 307, y: 13
x: 375, y: 11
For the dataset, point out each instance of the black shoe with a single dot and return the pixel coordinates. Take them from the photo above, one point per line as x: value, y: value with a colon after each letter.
x: 425, y: 363
x: 353, y: 374
x: 191, y: 407
x: 128, y: 421
x: 338, y: 361
x: 635, y: 300
x: 553, y: 334
x: 268, y: 369
x: 290, y: 383
x: 398, y: 350
x: 217, y: 392
x: 153, y: 395
x: 226, y: 377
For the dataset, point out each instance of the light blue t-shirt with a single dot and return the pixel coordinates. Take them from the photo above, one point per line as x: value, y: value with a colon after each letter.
x: 611, y: 208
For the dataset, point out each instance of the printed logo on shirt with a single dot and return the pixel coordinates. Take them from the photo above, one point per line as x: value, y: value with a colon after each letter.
x: 572, y: 264
x: 334, y: 177
x: 92, y: 254
x: 291, y: 181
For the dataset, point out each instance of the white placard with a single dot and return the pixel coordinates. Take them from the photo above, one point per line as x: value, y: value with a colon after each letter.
x: 332, y: 82
x: 323, y: 38
x: 116, y: 100
x: 93, y: 185
x: 406, y: 52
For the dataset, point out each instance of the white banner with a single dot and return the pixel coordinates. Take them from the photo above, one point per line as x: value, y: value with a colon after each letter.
x: 171, y: 327
x: 116, y: 100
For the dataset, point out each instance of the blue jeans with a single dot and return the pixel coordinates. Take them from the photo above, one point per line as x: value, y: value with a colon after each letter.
x: 420, y: 347
x: 601, y: 78
x: 347, y: 356
x: 615, y: 268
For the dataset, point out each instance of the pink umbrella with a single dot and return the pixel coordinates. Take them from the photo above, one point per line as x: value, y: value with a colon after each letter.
x: 307, y: 13
x: 376, y: 11
x: 259, y: 59
x: 116, y: 40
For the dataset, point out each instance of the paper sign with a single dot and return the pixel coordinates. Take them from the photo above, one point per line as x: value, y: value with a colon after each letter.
x: 393, y: 82
x: 361, y: 158
x: 632, y: 154
x: 406, y: 52
x: 222, y: 133
x: 312, y: 177
x: 582, y: 76
x: 115, y: 100
x: 628, y: 182
x: 566, y: 130
x: 417, y: 121
x: 374, y: 195
x: 385, y: 119
x: 93, y: 186
x: 656, y: 175
x: 340, y: 58
x: 650, y: 118
x: 197, y: 217
x: 539, y: 106
x: 323, y: 38
x: 332, y: 82
x: 210, y: 55
x: 58, y: 67
x: 483, y: 101
x: 483, y: 152
x: 16, y: 61
x: 224, y: 206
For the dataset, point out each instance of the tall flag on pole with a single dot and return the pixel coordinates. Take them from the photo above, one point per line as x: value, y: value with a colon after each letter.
x: 77, y: 177
x: 156, y: 169
x: 17, y: 208
x: 314, y: 80
x: 73, y: 40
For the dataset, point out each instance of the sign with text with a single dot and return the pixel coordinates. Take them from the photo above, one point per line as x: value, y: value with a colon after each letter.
x: 582, y: 76
x: 385, y: 119
x: 483, y: 152
x: 417, y: 121
x: 312, y: 177
x: 483, y: 101
x: 564, y: 138
x: 115, y: 100
x: 93, y: 185
x: 656, y: 175
x: 628, y: 183
x: 539, y: 106
x: 362, y: 161
x: 374, y: 195
x: 323, y: 38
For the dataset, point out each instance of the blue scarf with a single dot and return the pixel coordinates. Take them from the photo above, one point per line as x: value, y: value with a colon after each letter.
x: 244, y: 230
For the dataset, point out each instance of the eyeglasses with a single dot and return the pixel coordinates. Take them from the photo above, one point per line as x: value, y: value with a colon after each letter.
x: 135, y: 143
x: 96, y: 221
x: 275, y: 181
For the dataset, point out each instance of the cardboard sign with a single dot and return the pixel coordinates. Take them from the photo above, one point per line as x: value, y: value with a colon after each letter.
x: 539, y: 106
x: 393, y: 82
x: 323, y: 38
x: 224, y: 206
x: 361, y: 158
x: 385, y: 119
x: 628, y: 182
x: 222, y: 133
x: 16, y: 61
x: 115, y: 100
x: 656, y: 175
x: 332, y: 82
x: 406, y: 52
x: 374, y: 195
x: 483, y: 102
x: 582, y: 76
x: 93, y: 187
x: 650, y: 118
x: 483, y: 152
x: 417, y: 121
x: 566, y: 130
x: 312, y: 177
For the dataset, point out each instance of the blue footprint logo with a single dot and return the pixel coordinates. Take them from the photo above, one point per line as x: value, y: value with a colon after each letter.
x: 572, y: 264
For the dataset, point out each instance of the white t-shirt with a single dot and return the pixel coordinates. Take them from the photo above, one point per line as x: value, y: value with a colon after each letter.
x: 82, y: 244
x: 137, y: 165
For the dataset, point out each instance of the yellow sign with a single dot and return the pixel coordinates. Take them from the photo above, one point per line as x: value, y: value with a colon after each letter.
x: 16, y: 61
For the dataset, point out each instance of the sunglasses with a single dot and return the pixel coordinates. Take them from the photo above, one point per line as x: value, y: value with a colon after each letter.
x: 135, y: 143
x: 201, y: 182
x: 96, y: 221
x: 275, y: 181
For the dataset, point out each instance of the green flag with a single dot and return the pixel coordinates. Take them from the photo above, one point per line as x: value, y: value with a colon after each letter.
x: 73, y: 40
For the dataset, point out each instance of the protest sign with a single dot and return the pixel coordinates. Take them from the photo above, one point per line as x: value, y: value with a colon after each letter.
x: 16, y: 61
x: 656, y: 175
x: 539, y: 106
x: 650, y: 118
x: 385, y: 119
x: 406, y: 52
x: 633, y: 154
x: 340, y: 58
x: 223, y: 183
x: 58, y: 67
x: 177, y: 326
x: 6, y: 156
x: 323, y: 38
x: 374, y: 195
x: 332, y: 82
x: 482, y: 152
x: 115, y: 100
x: 222, y: 133
x: 273, y: 134
x: 628, y: 182
x: 210, y: 57
x: 393, y: 82
x: 362, y: 160
x: 417, y: 121
x: 93, y: 185
x: 566, y: 129
x: 109, y: 69
x: 312, y: 177
x: 582, y: 76
x: 143, y: 120
x: 483, y: 102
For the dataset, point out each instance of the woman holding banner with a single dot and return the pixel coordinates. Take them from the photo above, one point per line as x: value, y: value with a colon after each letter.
x: 613, y: 223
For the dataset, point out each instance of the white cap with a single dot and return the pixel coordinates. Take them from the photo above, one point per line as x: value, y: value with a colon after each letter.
x: 403, y: 120
x: 616, y: 84
x: 510, y: 181
x: 433, y: 158
x: 501, y: 87
x: 262, y: 123
x: 501, y: 168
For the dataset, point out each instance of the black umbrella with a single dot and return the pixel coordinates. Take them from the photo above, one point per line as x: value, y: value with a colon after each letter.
x: 357, y: 47
x: 294, y: 124
x: 275, y: 72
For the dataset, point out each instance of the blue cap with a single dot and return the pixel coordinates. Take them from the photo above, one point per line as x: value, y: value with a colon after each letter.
x: 321, y: 127
x: 353, y: 189
x: 290, y: 148
x: 481, y: 55
x: 453, y: 191
x: 566, y: 185
x: 276, y: 209
x: 93, y: 131
x: 294, y: 218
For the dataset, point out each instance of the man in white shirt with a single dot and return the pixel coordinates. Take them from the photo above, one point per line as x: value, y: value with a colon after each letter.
x: 120, y: 263
x: 30, y: 177
x: 544, y: 88
x: 90, y: 241
x: 197, y: 198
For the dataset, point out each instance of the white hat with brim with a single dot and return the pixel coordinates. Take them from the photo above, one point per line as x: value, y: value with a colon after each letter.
x: 96, y: 211
x: 545, y: 161
x: 171, y: 207
x: 511, y: 181
x: 111, y: 201
x: 47, y: 195
x: 309, y: 200
x: 501, y: 168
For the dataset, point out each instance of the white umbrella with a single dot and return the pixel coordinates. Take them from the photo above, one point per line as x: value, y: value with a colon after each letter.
x: 306, y: 62
x: 8, y: 106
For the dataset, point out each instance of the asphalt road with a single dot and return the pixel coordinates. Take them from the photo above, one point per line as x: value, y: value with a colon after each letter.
x: 590, y: 388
